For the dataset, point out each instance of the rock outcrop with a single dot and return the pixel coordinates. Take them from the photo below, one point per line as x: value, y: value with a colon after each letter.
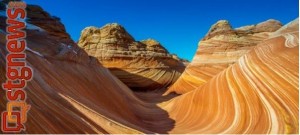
x: 70, y: 92
x: 37, y: 16
x: 220, y: 48
x: 56, y: 41
x: 258, y: 94
x: 270, y: 25
x: 141, y: 65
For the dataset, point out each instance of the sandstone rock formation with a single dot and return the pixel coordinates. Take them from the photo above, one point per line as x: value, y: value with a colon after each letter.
x: 69, y: 93
x: 266, y: 26
x: 258, y: 94
x: 141, y: 65
x: 50, y: 36
x: 37, y: 16
x: 221, y: 47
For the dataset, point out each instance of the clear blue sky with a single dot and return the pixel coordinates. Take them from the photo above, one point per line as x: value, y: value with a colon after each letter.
x: 177, y: 24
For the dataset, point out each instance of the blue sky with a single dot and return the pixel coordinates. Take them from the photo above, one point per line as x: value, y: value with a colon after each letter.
x: 177, y: 24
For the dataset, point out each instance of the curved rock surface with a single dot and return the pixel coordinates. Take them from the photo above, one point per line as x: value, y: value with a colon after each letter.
x: 141, y: 65
x: 259, y: 94
x: 72, y: 93
x: 220, y: 48
x: 49, y: 36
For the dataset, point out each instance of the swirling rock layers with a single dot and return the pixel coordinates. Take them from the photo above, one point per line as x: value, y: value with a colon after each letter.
x: 220, y: 48
x: 259, y: 93
x: 72, y: 93
x: 144, y: 65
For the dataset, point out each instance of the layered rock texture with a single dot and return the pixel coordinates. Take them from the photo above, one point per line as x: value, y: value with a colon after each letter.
x: 141, y: 65
x: 259, y: 93
x: 71, y: 92
x: 220, y: 48
x: 49, y: 35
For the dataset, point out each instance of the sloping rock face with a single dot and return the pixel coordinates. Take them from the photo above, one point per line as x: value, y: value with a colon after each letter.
x: 258, y: 94
x: 56, y: 41
x: 220, y: 48
x: 266, y: 26
x: 37, y: 16
x: 70, y: 91
x: 141, y: 65
x: 61, y: 46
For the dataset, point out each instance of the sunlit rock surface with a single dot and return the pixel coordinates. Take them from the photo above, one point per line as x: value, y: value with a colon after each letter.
x: 221, y: 47
x: 141, y: 65
x: 259, y: 93
x: 71, y: 92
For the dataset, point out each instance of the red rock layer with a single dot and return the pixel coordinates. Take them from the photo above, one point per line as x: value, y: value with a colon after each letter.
x: 141, y: 65
x: 258, y: 94
x: 72, y: 93
x: 220, y: 48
